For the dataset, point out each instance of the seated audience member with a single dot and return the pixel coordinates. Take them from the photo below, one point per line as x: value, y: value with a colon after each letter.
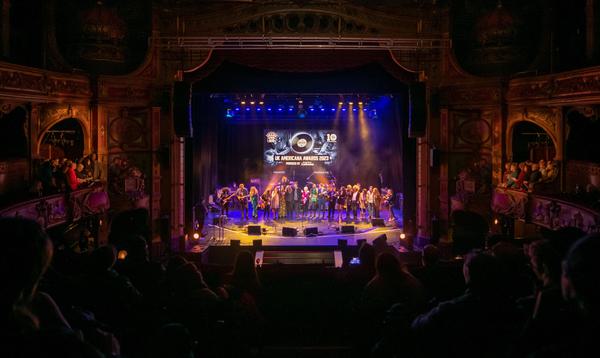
x: 549, y: 317
x: 392, y: 284
x: 515, y: 274
x: 32, y: 324
x: 535, y: 176
x: 542, y: 165
x: 242, y: 295
x: 192, y: 303
x: 146, y: 276
x: 435, y: 279
x: 111, y: 296
x: 522, y: 177
x: 511, y: 181
x: 480, y: 323
x: 579, y: 285
x: 81, y: 172
x: 358, y: 276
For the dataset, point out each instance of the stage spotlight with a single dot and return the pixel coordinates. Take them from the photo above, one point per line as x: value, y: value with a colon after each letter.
x: 333, y: 109
x: 350, y: 103
x: 243, y: 102
x: 279, y: 109
x: 269, y: 109
x: 322, y: 109
x: 247, y: 109
x: 311, y: 109
x: 354, y: 109
x: 237, y: 108
x: 344, y: 109
x: 364, y: 109
x: 300, y: 101
x: 196, y: 236
x: 258, y: 109
x: 402, y: 236
x: 496, y: 221
x: 261, y: 103
x: 290, y: 109
x: 340, y: 103
x: 360, y: 103
x: 252, y: 103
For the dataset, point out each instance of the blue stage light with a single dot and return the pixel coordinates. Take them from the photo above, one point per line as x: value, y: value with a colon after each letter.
x: 269, y: 109
x: 354, y: 110
x: 322, y: 109
x: 290, y: 109
x: 237, y: 108
x: 259, y: 109
x: 312, y: 109
x: 364, y: 109
x: 344, y: 109
x: 247, y: 109
x: 333, y: 109
x: 279, y: 109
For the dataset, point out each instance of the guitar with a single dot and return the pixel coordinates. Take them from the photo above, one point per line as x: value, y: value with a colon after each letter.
x: 226, y: 200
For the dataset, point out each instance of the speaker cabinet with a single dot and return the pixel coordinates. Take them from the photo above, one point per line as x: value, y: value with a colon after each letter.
x: 254, y: 230
x: 311, y: 231
x: 289, y: 231
x: 417, y: 110
x: 347, y: 229
x: 235, y: 243
x: 180, y: 102
x: 377, y: 222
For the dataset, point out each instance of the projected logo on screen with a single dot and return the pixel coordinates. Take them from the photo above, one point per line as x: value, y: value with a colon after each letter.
x: 300, y: 148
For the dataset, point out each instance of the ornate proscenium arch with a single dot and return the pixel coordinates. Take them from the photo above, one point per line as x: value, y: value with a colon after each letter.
x: 548, y: 118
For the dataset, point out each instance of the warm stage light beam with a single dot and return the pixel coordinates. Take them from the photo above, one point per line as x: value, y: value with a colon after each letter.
x: 362, y: 122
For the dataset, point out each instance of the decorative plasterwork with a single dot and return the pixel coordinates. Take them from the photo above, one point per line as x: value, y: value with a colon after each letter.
x: 342, y: 18
x: 581, y: 86
x: 25, y: 82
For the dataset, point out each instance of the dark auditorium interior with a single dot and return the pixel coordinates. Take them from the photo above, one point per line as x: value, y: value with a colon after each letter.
x: 299, y: 178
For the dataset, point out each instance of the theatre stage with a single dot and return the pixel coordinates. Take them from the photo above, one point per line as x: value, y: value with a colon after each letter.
x: 328, y: 233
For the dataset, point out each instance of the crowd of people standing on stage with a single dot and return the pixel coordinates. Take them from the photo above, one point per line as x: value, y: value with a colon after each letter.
x: 322, y: 201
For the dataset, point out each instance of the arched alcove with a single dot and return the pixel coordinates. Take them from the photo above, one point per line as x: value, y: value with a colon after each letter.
x: 531, y: 142
x: 63, y: 140
x: 13, y: 134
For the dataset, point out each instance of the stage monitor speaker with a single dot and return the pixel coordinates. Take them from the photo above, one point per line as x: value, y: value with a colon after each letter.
x: 417, y: 110
x: 289, y: 231
x: 342, y: 243
x: 254, y: 230
x: 180, y: 102
x: 380, y: 240
x: 235, y: 243
x: 347, y: 229
x: 311, y: 231
x: 377, y: 222
x: 257, y: 243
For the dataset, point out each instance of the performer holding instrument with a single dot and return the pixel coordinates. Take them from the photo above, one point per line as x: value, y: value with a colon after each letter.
x: 242, y: 197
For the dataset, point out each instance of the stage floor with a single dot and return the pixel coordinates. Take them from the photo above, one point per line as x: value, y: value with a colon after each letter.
x: 328, y: 231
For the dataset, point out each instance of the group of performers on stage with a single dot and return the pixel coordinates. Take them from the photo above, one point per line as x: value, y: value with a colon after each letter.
x: 288, y: 201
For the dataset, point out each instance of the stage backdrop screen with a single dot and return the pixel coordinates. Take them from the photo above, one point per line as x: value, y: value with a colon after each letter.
x: 286, y: 149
